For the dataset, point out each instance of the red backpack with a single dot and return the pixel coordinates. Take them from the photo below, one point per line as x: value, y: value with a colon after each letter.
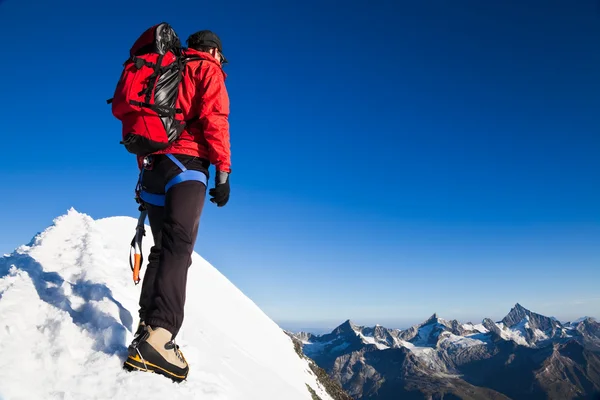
x: 146, y: 93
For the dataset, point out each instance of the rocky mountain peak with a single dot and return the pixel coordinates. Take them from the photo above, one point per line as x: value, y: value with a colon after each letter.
x: 431, y: 320
x: 536, y: 321
x: 517, y: 314
x: 345, y: 328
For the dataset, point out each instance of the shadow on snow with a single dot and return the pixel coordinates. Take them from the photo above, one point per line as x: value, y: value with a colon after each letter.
x: 109, y: 334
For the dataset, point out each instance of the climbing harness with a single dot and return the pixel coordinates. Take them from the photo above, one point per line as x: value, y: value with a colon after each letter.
x: 136, y: 257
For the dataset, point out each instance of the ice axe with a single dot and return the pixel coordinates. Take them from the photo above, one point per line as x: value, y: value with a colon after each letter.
x: 136, y: 258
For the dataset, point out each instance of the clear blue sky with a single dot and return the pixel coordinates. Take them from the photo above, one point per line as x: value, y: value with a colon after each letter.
x: 391, y: 159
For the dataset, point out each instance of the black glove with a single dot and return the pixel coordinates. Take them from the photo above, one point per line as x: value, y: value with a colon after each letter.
x: 220, y: 193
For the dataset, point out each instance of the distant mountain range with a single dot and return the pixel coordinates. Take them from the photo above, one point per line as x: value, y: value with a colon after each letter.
x: 524, y: 356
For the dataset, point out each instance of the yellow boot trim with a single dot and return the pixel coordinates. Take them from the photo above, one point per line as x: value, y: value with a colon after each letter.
x: 137, y: 358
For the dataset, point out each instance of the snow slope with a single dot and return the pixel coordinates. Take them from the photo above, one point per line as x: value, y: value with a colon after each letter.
x: 68, y: 306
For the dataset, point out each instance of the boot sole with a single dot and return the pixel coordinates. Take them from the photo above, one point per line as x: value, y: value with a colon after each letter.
x: 135, y: 363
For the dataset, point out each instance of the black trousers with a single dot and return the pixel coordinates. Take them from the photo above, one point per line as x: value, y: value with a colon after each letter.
x: 175, y: 229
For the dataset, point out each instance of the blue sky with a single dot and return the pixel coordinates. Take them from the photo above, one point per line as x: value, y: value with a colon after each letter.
x: 390, y: 159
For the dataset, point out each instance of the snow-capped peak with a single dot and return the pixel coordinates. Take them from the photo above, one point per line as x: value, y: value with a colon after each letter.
x: 68, y: 304
x: 537, y: 321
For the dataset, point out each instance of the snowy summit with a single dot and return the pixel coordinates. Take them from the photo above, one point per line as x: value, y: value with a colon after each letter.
x: 68, y: 307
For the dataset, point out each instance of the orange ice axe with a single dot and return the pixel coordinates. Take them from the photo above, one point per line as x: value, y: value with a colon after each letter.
x: 136, y: 257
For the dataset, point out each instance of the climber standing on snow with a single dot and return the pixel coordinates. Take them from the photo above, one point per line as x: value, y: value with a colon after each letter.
x: 172, y: 188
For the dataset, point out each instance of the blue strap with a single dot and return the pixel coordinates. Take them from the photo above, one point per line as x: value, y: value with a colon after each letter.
x: 185, y: 175
x: 154, y: 199
x: 177, y: 162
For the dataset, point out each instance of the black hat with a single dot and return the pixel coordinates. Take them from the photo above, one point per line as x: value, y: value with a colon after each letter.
x: 206, y: 38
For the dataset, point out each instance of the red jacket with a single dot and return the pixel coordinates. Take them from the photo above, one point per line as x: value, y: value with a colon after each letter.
x: 205, y: 103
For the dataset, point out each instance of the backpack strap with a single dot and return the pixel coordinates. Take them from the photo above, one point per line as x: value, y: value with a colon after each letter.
x: 184, y: 175
x: 152, y: 79
x: 161, y: 111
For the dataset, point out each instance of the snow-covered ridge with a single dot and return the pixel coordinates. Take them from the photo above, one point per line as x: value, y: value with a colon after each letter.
x: 68, y: 307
